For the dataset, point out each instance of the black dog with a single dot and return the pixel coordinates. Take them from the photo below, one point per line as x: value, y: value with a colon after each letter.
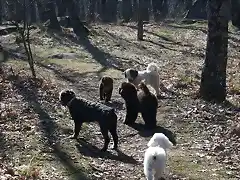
x: 83, y: 110
x: 144, y: 102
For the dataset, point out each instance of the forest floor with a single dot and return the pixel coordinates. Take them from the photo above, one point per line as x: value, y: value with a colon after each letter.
x: 34, y: 128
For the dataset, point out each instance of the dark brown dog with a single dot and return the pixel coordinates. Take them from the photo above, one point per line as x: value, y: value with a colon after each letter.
x: 106, y: 88
x: 144, y: 102
x: 148, y: 105
x: 129, y: 93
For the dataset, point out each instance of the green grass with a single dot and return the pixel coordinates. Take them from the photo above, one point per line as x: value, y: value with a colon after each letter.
x: 195, y: 168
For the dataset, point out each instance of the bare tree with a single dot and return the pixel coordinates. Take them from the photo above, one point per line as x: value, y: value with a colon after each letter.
x: 140, y: 21
x: 24, y: 32
x: 1, y: 11
x: 51, y: 14
x: 213, y: 80
x: 236, y: 13
x: 76, y: 23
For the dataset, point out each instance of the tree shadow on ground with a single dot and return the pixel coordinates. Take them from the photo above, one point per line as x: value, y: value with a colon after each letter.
x: 205, y: 31
x: 103, y: 58
x: 90, y: 150
x: 133, y: 44
x: 169, y: 41
x: 166, y: 39
x: 142, y: 131
x: 46, y: 123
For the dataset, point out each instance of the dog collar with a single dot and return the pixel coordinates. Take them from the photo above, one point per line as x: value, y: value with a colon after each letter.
x: 69, y: 103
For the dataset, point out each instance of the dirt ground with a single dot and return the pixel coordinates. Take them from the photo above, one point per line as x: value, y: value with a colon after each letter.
x: 35, y: 128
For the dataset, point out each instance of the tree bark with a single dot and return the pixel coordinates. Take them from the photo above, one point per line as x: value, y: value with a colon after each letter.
x: 41, y: 11
x: 61, y: 7
x: 236, y: 13
x: 197, y: 10
x: 92, y: 8
x: 19, y: 11
x: 33, y: 12
x: 1, y: 11
x: 78, y: 27
x: 213, y: 80
x: 51, y: 12
x: 135, y: 10
x: 126, y: 10
x: 140, y: 21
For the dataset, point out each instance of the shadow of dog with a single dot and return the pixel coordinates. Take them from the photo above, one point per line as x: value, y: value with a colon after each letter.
x: 90, y: 150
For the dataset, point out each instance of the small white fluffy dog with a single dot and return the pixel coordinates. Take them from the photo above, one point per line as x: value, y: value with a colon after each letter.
x: 149, y: 76
x: 155, y: 156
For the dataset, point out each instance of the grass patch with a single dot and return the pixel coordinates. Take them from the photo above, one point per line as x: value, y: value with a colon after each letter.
x: 195, y: 168
x: 166, y: 34
x: 83, y: 67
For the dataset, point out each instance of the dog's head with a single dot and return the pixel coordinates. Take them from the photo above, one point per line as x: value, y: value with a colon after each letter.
x: 159, y: 139
x: 130, y: 74
x: 127, y: 91
x: 66, y: 96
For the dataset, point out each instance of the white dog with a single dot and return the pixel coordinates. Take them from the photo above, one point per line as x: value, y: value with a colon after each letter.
x: 155, y: 156
x: 149, y: 76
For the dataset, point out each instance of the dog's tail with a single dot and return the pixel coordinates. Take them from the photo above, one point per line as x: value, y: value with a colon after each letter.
x: 144, y: 88
x: 152, y: 67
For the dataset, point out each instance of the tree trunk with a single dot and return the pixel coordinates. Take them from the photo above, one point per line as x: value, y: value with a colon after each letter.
x: 197, y: 10
x: 61, y: 7
x: 135, y: 10
x: 103, y: 10
x: 51, y: 13
x: 112, y: 11
x: 140, y: 21
x: 126, y: 10
x: 33, y: 12
x: 19, y: 11
x: 1, y: 11
x: 92, y: 7
x: 213, y: 80
x: 41, y: 11
x: 236, y: 13
x: 78, y: 27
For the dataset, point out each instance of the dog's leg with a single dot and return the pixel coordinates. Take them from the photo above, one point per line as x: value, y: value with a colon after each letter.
x: 106, y: 138
x: 158, y: 175
x: 77, y: 128
x: 113, y: 131
x: 148, y: 173
x: 149, y: 119
x: 101, y: 91
x: 108, y: 95
x: 131, y: 115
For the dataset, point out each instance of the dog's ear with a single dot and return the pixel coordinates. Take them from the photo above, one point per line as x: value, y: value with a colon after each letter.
x: 151, y: 142
x: 168, y: 143
x: 133, y: 73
